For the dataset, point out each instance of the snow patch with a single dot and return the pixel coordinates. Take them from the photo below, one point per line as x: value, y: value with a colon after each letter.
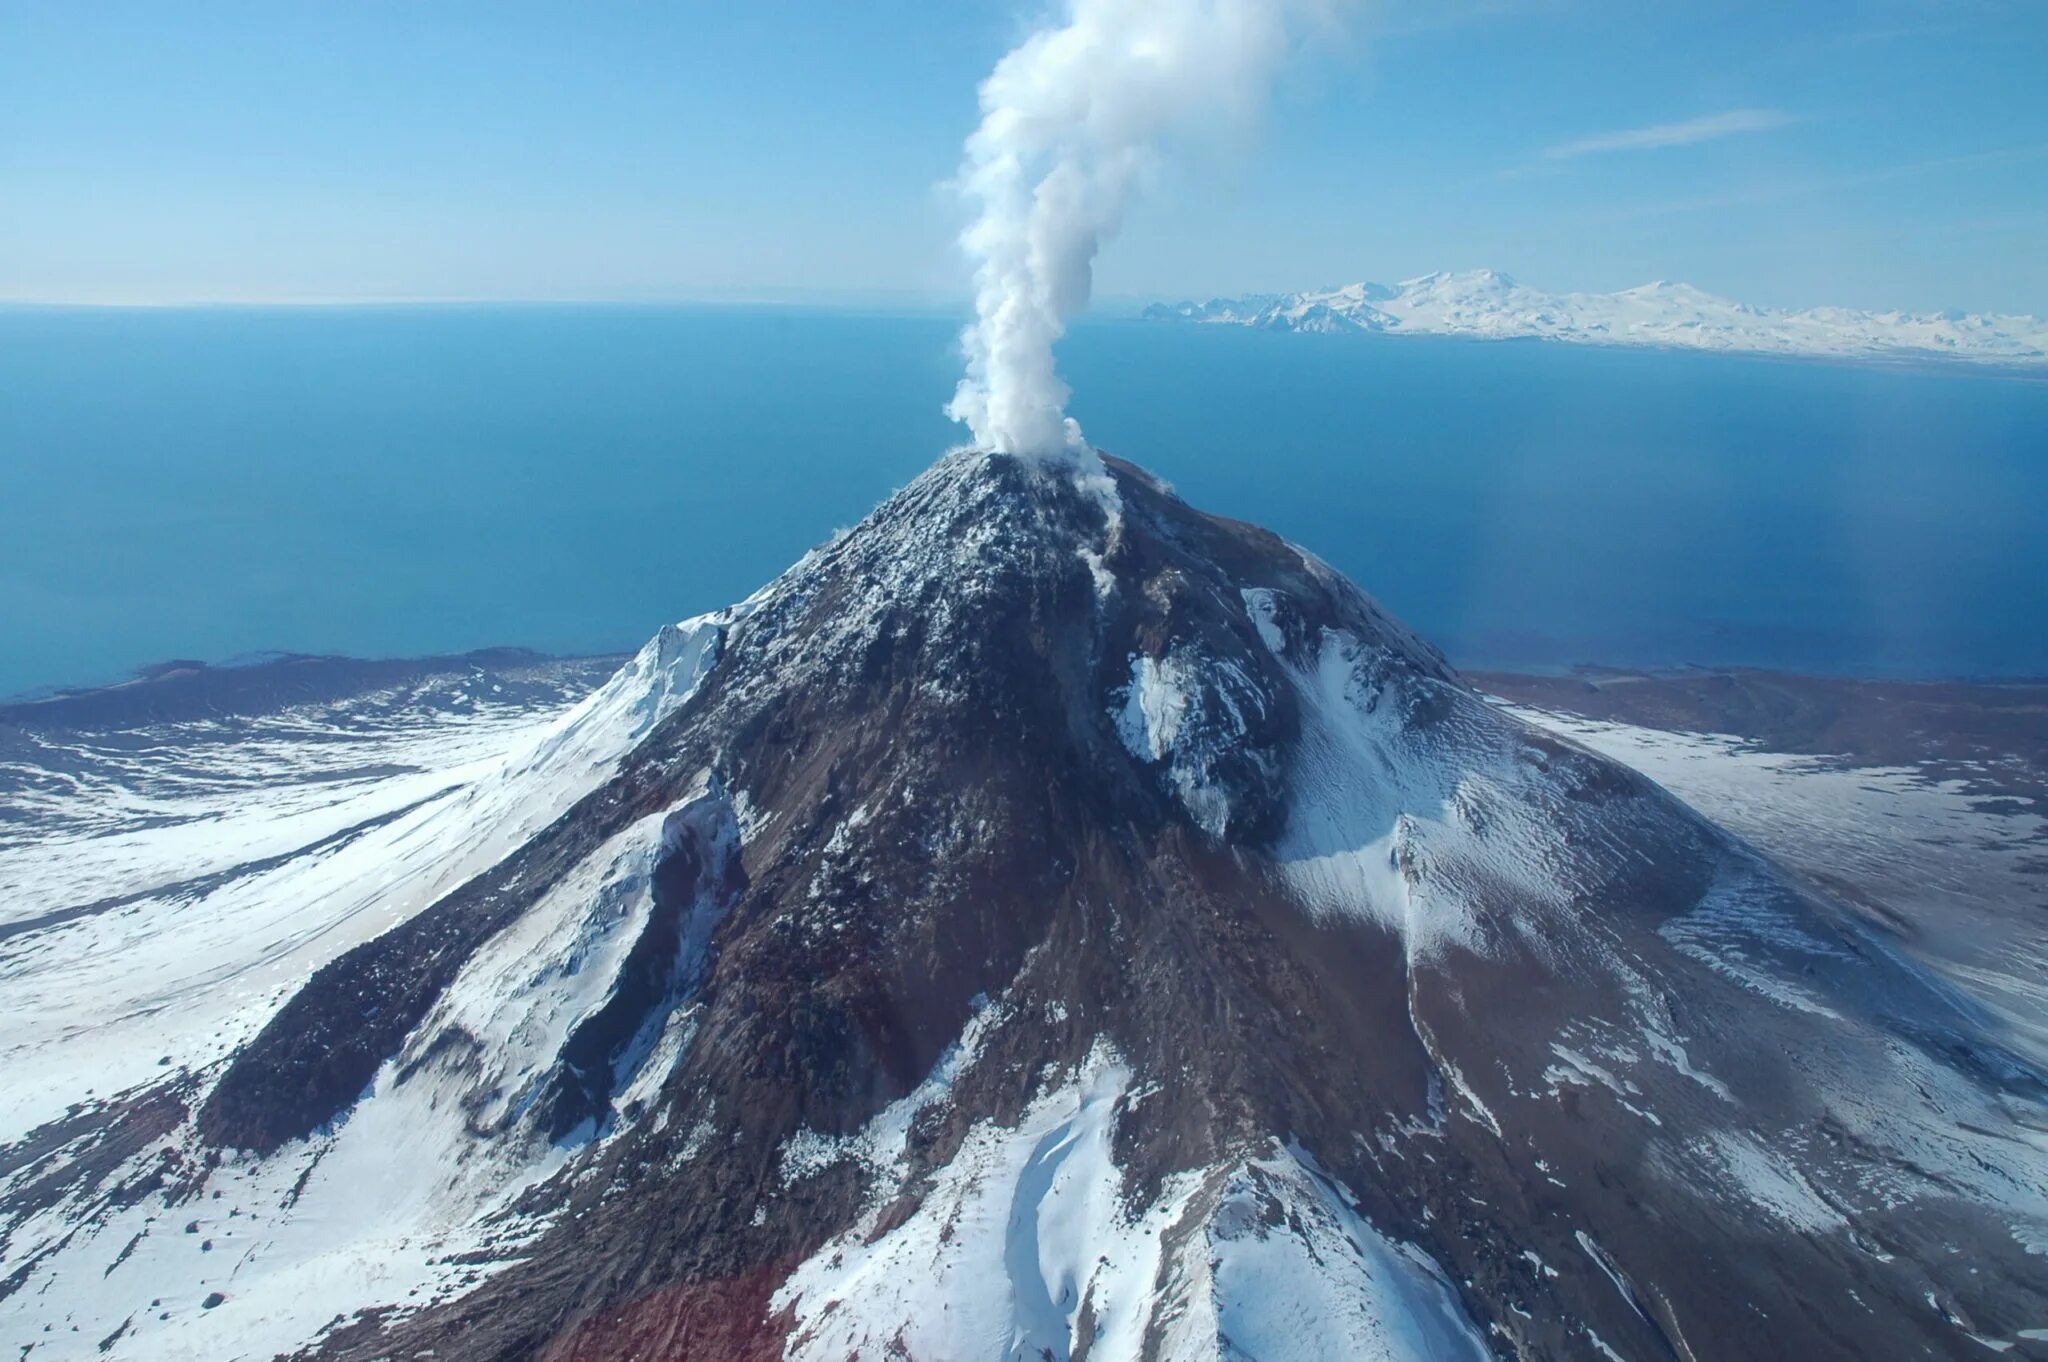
x: 1187, y: 712
x: 1383, y: 823
x: 1026, y: 1246
x: 1155, y: 706
x: 1771, y: 1183
x: 1024, y: 1229
x: 1294, y: 1271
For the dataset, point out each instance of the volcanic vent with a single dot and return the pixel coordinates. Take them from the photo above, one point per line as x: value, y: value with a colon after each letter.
x: 1052, y: 922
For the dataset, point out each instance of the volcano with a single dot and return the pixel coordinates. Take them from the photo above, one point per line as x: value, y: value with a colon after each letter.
x: 1046, y: 922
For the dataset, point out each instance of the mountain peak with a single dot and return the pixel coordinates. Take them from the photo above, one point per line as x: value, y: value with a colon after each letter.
x: 1488, y: 304
x: 998, y: 582
x: 1053, y: 920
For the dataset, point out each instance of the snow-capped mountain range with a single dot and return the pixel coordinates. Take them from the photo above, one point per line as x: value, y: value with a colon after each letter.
x: 1047, y: 921
x: 1489, y: 305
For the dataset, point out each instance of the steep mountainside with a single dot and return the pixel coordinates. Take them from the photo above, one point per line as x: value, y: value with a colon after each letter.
x: 1046, y: 922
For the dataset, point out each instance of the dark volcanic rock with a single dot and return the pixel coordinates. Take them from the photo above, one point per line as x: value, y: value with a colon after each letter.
x: 1042, y: 844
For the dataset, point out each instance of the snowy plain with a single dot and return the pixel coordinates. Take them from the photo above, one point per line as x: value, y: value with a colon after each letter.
x: 1959, y: 870
x: 169, y: 896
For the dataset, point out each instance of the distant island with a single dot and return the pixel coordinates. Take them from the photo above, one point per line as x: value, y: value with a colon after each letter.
x: 1490, y: 305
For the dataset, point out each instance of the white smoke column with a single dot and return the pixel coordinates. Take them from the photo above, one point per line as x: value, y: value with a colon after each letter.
x: 1071, y: 123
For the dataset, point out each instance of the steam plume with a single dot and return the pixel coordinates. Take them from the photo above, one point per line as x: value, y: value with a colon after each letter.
x: 1071, y: 124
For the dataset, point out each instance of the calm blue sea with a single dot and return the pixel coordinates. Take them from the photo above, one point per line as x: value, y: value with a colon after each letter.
x: 208, y: 483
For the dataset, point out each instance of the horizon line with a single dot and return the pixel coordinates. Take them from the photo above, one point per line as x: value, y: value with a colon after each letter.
x: 1105, y: 306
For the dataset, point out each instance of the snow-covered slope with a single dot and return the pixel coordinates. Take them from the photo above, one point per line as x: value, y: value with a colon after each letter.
x: 1491, y: 306
x: 1026, y: 1246
x: 1047, y: 921
x: 173, y: 884
x: 1962, y: 869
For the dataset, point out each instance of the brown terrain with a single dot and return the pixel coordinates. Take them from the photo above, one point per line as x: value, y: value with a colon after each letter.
x: 1623, y: 1083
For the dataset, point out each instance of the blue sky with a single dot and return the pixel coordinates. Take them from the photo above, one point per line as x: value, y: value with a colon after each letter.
x: 1879, y: 153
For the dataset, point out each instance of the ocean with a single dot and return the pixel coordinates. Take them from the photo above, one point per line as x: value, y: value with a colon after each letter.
x: 213, y: 483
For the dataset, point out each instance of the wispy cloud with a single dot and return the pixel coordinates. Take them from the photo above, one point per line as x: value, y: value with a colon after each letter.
x: 1827, y: 184
x: 1708, y: 128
